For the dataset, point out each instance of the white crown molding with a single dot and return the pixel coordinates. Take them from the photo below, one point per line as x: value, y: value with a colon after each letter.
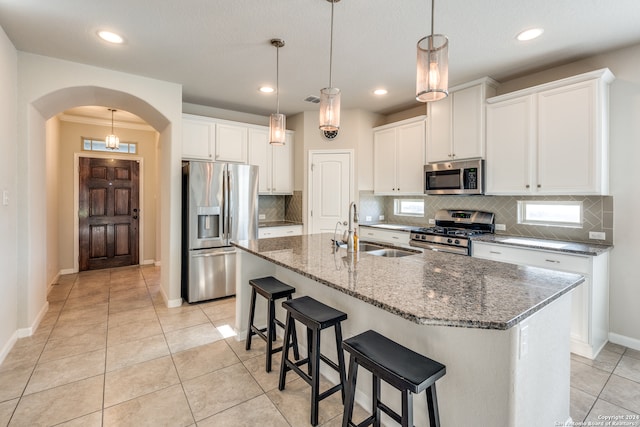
x: 103, y: 122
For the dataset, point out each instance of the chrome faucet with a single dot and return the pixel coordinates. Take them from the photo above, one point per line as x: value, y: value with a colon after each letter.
x: 350, y: 247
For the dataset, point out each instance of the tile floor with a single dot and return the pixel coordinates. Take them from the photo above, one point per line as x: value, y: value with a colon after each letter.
x: 109, y: 353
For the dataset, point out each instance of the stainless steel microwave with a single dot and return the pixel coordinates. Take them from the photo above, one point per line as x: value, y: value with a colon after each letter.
x: 458, y: 177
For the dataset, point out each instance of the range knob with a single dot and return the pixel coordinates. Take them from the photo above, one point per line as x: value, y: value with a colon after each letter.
x: 449, y: 240
x: 457, y: 242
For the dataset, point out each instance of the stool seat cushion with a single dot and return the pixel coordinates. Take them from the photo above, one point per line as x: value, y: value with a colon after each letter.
x: 313, y: 310
x: 272, y: 287
x: 394, y: 360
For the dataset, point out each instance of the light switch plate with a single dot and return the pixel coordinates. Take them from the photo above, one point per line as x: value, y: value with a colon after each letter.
x: 367, y: 218
x: 598, y: 235
x: 501, y: 227
x: 261, y: 216
x: 432, y: 221
x: 381, y: 218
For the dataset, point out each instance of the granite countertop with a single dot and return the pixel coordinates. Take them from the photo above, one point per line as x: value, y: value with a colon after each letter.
x: 551, y: 245
x: 392, y: 227
x: 262, y: 224
x: 430, y: 288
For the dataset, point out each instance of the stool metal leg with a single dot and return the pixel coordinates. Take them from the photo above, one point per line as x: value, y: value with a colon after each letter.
x: 271, y: 333
x: 407, y: 409
x: 285, y: 352
x: 340, y: 358
x: 432, y: 404
x: 252, y: 310
x: 314, y: 361
x: 351, y: 392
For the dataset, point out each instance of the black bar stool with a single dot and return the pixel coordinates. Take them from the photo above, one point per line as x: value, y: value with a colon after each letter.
x: 399, y: 366
x: 272, y: 289
x: 316, y: 317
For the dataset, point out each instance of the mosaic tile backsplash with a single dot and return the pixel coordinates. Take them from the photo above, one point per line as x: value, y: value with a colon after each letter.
x: 281, y: 208
x: 597, y: 213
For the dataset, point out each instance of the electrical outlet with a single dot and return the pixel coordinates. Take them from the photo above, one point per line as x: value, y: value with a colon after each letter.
x: 501, y: 227
x: 262, y: 216
x: 597, y: 235
x: 524, y: 341
x: 432, y: 221
x: 367, y: 218
x: 381, y: 217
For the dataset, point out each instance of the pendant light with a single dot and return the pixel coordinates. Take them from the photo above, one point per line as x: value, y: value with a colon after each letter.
x: 330, y: 96
x: 112, y: 141
x: 432, y: 79
x: 277, y: 121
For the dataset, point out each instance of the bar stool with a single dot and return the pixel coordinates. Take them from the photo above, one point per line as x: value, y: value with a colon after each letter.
x: 399, y: 366
x: 316, y: 317
x: 272, y: 289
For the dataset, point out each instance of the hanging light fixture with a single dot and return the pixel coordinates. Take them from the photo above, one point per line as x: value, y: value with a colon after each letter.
x: 433, y: 66
x: 330, y: 96
x: 277, y: 121
x: 112, y: 141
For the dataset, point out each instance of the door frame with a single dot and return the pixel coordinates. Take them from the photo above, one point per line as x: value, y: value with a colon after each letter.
x: 309, y: 198
x: 76, y: 201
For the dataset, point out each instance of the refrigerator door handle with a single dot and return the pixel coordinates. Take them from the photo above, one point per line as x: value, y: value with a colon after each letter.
x: 229, y: 209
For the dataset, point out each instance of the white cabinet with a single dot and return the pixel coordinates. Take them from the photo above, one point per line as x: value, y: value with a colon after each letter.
x: 590, y: 300
x: 275, y: 162
x: 398, y: 157
x: 550, y: 139
x: 399, y: 238
x: 456, y: 124
x: 231, y: 142
x: 283, y: 231
x: 198, y: 137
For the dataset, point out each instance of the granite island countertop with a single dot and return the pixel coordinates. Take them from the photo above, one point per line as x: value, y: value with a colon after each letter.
x: 430, y: 288
x: 574, y: 248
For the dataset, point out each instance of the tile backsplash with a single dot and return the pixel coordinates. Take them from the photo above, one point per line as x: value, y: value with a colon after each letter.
x: 281, y: 208
x: 597, y: 213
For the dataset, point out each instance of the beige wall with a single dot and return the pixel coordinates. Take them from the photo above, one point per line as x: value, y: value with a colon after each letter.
x: 71, y: 135
x: 54, y: 192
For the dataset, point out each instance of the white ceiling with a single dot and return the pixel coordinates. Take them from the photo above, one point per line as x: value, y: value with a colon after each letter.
x: 220, y: 51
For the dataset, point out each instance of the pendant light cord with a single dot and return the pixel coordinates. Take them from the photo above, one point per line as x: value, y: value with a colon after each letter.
x: 112, y: 110
x: 432, y: 15
x: 277, y: 79
x: 331, y: 45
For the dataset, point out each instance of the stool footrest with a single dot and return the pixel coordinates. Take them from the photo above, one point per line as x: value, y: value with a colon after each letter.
x: 384, y: 408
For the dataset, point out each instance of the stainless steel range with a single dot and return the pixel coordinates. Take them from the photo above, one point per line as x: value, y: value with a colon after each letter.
x: 453, y: 231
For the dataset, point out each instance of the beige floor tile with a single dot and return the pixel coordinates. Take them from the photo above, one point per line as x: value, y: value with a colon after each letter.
x: 22, y: 356
x: 126, y: 284
x: 94, y: 314
x: 67, y: 278
x: 133, y: 332
x: 604, y: 408
x: 172, y: 322
x: 167, y: 407
x: 60, y: 404
x: 629, y: 368
x: 588, y: 379
x: 581, y: 404
x: 68, y: 330
x: 294, y: 402
x: 137, y: 380
x: 6, y: 411
x: 259, y: 411
x: 622, y: 392
x: 258, y: 347
x: 133, y: 352
x: 632, y: 353
x: 64, y: 371
x: 87, y: 291
x: 162, y: 309
x: 77, y: 344
x: 204, y: 359
x: 59, y: 292
x: 220, y: 390
x: 55, y: 307
x: 228, y: 321
x: 91, y: 420
x: 616, y: 348
x: 193, y: 336
x: 606, y: 360
x: 359, y: 415
x: 267, y: 380
x: 132, y: 316
x: 86, y: 301
x: 13, y: 382
x: 127, y: 294
x: 222, y: 310
x: 125, y: 305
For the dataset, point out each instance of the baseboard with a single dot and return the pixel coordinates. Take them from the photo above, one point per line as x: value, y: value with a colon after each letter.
x: 53, y: 282
x: 27, y: 332
x: 157, y: 263
x: 170, y: 303
x: 625, y: 341
x: 67, y: 271
x: 148, y: 262
x: 8, y: 346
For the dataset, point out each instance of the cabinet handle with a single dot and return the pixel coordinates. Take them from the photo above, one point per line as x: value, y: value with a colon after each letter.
x: 553, y: 261
x: 495, y: 252
x: 290, y: 231
x: 369, y: 234
x: 527, y: 186
x: 398, y: 189
x: 539, y: 185
x: 395, y: 237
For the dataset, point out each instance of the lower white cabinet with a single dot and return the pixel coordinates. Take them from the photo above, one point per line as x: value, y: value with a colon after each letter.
x: 590, y: 300
x: 283, y: 231
x: 394, y: 237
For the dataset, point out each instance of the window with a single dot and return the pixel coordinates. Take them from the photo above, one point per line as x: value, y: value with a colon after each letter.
x: 560, y: 214
x: 408, y: 207
x: 99, y: 145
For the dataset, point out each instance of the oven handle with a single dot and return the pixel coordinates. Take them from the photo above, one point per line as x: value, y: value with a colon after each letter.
x: 440, y: 248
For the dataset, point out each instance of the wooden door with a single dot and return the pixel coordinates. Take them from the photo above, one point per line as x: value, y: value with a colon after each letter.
x: 330, y: 195
x: 108, y: 213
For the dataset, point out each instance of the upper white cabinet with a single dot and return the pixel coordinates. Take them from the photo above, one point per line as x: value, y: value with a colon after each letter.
x: 456, y: 128
x: 398, y: 157
x: 550, y: 139
x: 231, y: 142
x: 198, y: 137
x: 275, y: 162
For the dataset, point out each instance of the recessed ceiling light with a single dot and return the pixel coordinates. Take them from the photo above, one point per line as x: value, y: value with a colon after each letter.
x: 380, y: 92
x: 529, y: 34
x: 110, y: 37
x: 267, y: 89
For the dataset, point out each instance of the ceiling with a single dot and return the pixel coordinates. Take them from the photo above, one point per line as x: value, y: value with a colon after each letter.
x: 219, y: 51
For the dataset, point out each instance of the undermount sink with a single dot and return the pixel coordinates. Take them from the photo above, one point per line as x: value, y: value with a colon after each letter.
x: 390, y: 253
x: 367, y: 247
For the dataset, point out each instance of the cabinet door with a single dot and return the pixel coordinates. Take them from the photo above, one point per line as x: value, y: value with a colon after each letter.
x: 439, y: 139
x: 566, y: 140
x: 467, y: 123
x: 509, y: 144
x: 282, y: 169
x: 196, y: 139
x: 384, y: 161
x: 259, y: 154
x: 231, y: 143
x: 410, y: 146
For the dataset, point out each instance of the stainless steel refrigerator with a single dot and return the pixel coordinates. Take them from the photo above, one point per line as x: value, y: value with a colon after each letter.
x: 219, y: 204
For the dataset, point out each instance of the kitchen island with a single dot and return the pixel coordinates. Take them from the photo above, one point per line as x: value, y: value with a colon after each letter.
x: 502, y: 330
